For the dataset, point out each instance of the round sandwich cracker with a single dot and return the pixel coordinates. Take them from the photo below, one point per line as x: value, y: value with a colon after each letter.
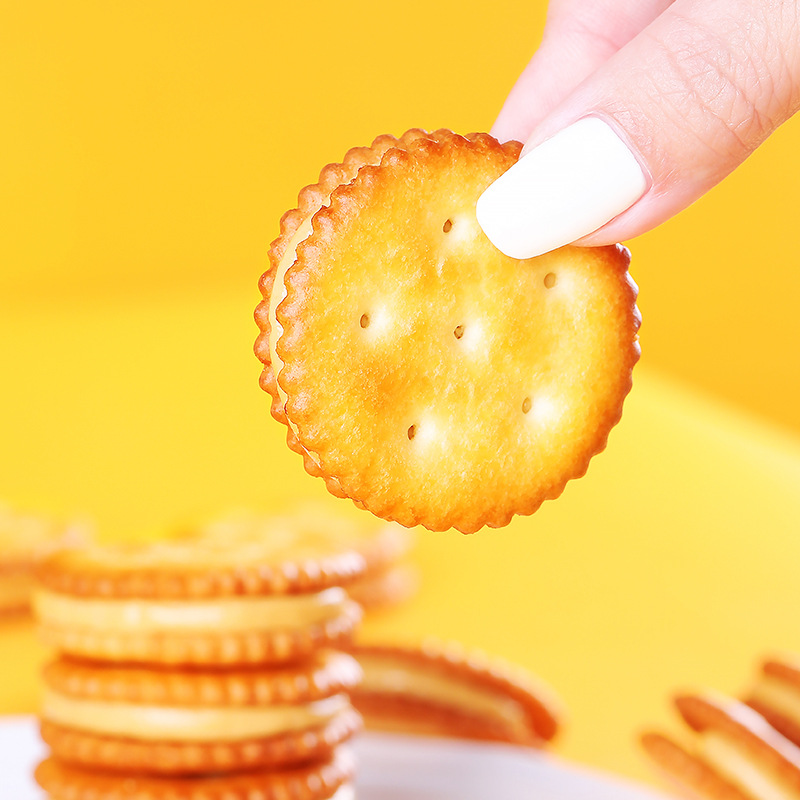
x: 421, y: 372
x: 326, y: 780
x: 249, y: 601
x: 184, y: 722
x: 379, y: 544
x: 386, y: 579
x: 439, y: 689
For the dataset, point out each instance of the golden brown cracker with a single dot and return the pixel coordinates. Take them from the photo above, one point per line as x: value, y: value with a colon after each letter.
x: 412, y: 716
x: 384, y: 582
x: 184, y: 569
x: 318, y: 781
x: 322, y: 674
x: 124, y: 718
x: 380, y: 544
x: 121, y: 754
x: 538, y: 708
x: 429, y: 377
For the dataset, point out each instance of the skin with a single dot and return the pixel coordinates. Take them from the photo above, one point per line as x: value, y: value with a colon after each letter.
x: 693, y: 86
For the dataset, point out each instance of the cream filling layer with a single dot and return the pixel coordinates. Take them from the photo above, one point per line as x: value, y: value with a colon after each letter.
x: 776, y: 694
x: 737, y: 765
x: 225, y: 615
x: 385, y: 676
x: 164, y: 723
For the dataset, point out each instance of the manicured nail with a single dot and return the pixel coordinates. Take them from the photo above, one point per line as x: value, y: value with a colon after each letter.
x: 568, y: 186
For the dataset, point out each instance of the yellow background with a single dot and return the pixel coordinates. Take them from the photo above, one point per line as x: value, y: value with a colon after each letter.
x: 147, y: 151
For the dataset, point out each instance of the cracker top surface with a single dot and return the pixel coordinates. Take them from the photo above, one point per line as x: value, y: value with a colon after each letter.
x: 432, y: 379
x: 287, y: 558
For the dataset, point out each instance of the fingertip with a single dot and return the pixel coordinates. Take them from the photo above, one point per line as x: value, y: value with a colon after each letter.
x: 564, y: 189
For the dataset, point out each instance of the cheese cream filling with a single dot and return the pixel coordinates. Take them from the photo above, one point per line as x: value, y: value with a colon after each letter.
x: 228, y: 614
x: 164, y: 723
x: 737, y: 765
x: 385, y: 676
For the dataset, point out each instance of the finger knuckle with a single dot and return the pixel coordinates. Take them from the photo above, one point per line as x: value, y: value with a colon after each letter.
x: 732, y: 83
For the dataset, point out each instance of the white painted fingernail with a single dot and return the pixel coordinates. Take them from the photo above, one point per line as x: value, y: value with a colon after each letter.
x: 568, y: 186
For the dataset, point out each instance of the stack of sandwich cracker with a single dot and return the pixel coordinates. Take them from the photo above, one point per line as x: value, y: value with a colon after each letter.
x: 207, y: 666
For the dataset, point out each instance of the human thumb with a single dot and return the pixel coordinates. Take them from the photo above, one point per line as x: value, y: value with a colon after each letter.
x: 659, y: 124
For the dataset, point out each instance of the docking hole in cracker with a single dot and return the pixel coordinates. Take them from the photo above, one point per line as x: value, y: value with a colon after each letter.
x: 421, y: 372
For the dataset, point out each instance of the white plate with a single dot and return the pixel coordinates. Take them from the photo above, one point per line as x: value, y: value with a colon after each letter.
x: 393, y: 768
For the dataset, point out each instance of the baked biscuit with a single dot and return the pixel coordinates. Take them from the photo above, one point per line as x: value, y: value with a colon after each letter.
x: 166, y: 722
x: 776, y: 695
x: 295, y: 226
x: 25, y: 538
x: 187, y: 602
x: 421, y: 372
x: 441, y: 690
x: 385, y: 579
x: 326, y: 780
x: 734, y: 755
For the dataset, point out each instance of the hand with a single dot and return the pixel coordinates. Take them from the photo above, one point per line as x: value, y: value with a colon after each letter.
x: 633, y: 109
